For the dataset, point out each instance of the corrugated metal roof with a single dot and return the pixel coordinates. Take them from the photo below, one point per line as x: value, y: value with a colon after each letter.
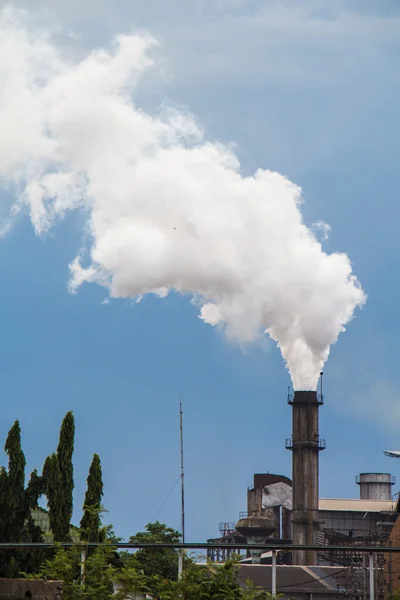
x: 344, y: 504
x: 322, y: 580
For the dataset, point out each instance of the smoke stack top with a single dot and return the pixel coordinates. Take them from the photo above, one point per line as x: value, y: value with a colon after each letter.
x: 166, y: 209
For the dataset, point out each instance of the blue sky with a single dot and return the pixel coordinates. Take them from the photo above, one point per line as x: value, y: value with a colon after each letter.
x: 310, y: 89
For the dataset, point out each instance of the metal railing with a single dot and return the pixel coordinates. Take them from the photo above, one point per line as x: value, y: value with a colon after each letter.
x: 290, y: 398
x: 226, y: 527
x: 202, y: 545
x: 392, y: 479
x: 291, y: 444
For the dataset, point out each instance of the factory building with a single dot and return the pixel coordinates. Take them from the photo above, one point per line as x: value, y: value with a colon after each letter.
x: 392, y: 562
x: 290, y: 511
x: 367, y: 520
x: 307, y: 583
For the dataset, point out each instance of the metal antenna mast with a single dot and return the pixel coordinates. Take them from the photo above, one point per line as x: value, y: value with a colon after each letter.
x: 181, y: 554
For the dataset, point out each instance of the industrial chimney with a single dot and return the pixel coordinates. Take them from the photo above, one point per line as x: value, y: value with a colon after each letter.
x: 375, y: 486
x: 305, y: 445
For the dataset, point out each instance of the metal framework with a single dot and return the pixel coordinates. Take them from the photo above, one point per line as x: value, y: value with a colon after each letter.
x: 228, y: 535
x: 226, y: 528
x: 392, y: 453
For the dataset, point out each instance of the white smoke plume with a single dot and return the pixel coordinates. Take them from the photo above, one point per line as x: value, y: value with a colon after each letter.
x: 166, y: 210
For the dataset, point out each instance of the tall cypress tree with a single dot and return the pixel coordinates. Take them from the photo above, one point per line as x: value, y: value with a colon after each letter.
x: 91, y: 522
x: 52, y: 484
x: 15, y: 484
x: 58, y: 476
x: 16, y: 504
x: 65, y: 451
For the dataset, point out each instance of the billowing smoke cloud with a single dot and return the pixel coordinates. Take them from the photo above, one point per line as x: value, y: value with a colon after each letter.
x: 165, y: 209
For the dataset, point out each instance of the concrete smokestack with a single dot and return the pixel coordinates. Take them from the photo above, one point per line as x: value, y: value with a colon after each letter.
x: 306, y: 445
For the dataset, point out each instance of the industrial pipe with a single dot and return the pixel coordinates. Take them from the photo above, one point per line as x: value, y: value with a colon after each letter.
x: 371, y: 577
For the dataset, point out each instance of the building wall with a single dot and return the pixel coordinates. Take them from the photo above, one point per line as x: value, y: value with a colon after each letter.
x: 287, y: 532
x: 392, y: 561
x: 21, y: 589
x: 352, y: 523
x: 254, y: 501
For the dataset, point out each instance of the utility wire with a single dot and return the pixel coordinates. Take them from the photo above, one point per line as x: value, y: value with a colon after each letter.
x: 166, y: 499
x: 315, y: 579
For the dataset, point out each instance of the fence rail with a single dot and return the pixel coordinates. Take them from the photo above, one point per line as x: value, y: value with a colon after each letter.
x: 201, y: 546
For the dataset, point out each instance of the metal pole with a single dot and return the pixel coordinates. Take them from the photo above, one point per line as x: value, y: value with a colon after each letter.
x: 274, y: 573
x: 182, y: 552
x: 371, y: 577
x: 83, y: 561
x: 364, y: 568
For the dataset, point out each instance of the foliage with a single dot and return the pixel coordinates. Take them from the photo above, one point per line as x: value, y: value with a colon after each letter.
x: 199, y: 582
x: 58, y: 477
x: 157, y: 561
x: 65, y: 451
x: 96, y: 581
x: 91, y: 522
x: 93, y: 575
x: 52, y: 484
x: 206, y: 582
x: 16, y: 504
x: 253, y: 593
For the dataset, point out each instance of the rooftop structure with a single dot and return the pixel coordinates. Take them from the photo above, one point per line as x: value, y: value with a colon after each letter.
x: 355, y: 505
x: 301, y: 582
x: 392, y: 453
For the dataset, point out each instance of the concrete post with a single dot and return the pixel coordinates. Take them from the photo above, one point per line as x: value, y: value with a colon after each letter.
x: 274, y: 573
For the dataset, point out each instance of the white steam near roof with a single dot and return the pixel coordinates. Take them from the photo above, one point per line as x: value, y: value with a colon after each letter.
x: 166, y: 210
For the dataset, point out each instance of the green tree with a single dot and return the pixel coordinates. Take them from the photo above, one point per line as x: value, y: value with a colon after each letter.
x: 58, y: 478
x: 53, y: 490
x: 216, y: 582
x: 97, y: 580
x: 14, y: 484
x: 91, y: 522
x: 16, y: 504
x: 65, y: 451
x: 162, y: 562
x: 206, y: 581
